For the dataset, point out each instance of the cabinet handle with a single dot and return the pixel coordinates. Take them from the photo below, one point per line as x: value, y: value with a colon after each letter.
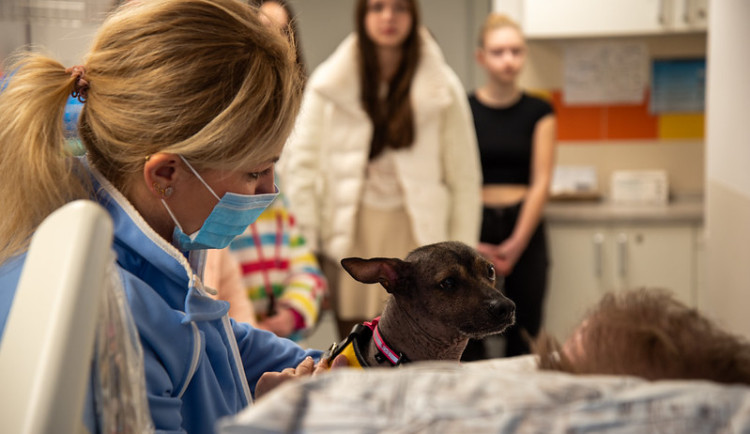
x: 622, y: 255
x: 662, y: 14
x: 598, y: 241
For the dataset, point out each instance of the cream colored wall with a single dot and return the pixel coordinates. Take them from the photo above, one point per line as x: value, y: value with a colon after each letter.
x: 727, y: 245
x: 12, y: 36
x: 683, y: 160
x: 727, y: 294
x: 66, y: 44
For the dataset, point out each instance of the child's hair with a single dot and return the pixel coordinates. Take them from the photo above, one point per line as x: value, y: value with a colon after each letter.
x: 496, y: 21
x: 393, y: 119
x: 292, y: 31
x: 650, y: 334
x: 205, y: 79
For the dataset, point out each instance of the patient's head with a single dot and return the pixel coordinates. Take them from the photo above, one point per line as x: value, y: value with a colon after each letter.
x: 650, y: 334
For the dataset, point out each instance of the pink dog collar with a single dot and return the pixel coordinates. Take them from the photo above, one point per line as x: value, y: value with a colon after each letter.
x: 386, y: 352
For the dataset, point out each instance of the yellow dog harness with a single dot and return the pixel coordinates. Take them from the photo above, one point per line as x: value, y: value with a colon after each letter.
x: 358, y: 339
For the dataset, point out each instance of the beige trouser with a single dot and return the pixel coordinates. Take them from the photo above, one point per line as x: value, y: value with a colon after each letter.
x: 384, y: 233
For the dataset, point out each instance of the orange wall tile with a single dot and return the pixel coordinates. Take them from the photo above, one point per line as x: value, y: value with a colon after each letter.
x: 631, y: 121
x: 604, y: 122
x: 578, y: 122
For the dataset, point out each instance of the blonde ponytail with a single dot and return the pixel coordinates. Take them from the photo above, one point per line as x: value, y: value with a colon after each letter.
x: 37, y: 173
x: 206, y: 79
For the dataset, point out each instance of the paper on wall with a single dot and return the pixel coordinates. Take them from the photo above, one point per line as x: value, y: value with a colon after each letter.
x: 605, y: 72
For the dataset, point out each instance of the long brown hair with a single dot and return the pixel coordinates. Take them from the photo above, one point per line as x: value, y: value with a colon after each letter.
x: 205, y: 79
x: 392, y: 119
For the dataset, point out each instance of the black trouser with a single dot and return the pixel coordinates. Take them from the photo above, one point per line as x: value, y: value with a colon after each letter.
x: 526, y: 285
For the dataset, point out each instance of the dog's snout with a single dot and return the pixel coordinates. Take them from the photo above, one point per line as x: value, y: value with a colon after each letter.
x: 503, y: 309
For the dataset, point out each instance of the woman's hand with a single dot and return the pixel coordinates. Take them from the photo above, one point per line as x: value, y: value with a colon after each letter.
x: 503, y: 256
x: 487, y: 250
x: 270, y: 380
x: 281, y: 324
x: 507, y: 255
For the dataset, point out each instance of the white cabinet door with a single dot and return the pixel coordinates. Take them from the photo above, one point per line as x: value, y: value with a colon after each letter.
x: 662, y: 257
x: 576, y: 278
x: 689, y: 15
x: 566, y: 18
x: 600, y: 18
x: 588, y: 261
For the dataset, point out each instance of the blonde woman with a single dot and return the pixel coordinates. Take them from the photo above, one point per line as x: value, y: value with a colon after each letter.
x: 516, y: 135
x: 383, y: 158
x: 187, y: 104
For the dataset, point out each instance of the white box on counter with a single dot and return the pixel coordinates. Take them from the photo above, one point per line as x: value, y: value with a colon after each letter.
x: 648, y: 187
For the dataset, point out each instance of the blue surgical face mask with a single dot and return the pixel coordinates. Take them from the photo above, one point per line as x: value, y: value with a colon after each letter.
x: 229, y: 218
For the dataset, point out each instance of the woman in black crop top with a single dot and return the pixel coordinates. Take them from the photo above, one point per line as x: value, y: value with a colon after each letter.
x: 516, y: 136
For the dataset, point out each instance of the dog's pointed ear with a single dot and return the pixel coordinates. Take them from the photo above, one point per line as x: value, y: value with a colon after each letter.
x: 385, y: 271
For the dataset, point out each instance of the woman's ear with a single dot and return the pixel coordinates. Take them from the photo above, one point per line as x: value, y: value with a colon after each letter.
x: 479, y: 56
x: 159, y: 174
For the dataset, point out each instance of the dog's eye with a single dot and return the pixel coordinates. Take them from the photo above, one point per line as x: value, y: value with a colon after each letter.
x: 491, y: 272
x: 447, y: 284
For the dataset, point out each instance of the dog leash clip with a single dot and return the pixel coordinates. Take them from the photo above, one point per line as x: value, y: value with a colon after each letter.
x: 330, y: 352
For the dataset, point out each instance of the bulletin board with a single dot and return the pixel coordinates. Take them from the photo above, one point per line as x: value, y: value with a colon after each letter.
x: 679, y: 86
x: 614, y: 91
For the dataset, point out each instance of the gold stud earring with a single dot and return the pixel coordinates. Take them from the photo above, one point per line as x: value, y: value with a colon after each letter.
x: 164, y: 192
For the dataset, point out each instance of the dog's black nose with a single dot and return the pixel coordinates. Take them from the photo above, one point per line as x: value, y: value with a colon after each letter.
x: 504, y: 309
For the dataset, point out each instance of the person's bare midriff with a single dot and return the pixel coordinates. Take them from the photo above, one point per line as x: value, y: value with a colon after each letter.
x: 499, y: 195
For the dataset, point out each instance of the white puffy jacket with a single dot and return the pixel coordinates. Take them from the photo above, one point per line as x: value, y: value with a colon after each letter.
x: 325, y: 158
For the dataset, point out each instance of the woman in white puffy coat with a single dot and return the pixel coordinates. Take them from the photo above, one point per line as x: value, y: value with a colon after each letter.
x: 384, y: 157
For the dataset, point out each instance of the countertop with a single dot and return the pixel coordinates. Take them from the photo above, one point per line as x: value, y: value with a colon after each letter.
x: 677, y: 211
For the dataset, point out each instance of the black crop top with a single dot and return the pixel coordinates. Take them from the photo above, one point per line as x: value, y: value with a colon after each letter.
x: 505, y: 138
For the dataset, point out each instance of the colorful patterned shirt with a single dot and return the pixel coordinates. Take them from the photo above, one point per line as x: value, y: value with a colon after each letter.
x: 278, y: 269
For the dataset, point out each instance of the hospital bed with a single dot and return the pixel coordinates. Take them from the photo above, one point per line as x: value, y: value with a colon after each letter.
x: 68, y: 319
x: 497, y: 396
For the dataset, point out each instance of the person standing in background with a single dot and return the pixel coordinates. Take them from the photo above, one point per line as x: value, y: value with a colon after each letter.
x: 383, y: 158
x: 516, y: 135
x: 281, y: 15
x: 268, y: 274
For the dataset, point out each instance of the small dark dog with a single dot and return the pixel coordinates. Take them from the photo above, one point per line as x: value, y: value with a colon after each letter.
x: 441, y: 295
